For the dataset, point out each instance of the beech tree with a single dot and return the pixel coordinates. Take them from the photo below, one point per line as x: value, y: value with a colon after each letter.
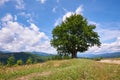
x: 74, y: 35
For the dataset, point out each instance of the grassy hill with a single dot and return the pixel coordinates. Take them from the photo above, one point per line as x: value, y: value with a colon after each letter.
x: 72, y: 69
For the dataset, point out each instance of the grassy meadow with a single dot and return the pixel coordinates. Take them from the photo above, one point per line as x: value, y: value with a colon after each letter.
x: 72, y: 69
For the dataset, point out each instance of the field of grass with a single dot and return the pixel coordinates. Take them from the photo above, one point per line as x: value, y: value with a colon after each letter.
x: 72, y: 69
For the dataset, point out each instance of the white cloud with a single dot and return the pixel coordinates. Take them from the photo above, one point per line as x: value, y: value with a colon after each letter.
x: 78, y: 10
x: 8, y: 17
x: 2, y: 2
x: 34, y: 27
x: 15, y: 18
x: 94, y: 23
x: 68, y: 14
x: 65, y: 10
x: 42, y: 1
x: 107, y: 35
x: 20, y: 4
x: 54, y: 9
x: 17, y: 37
x: 27, y: 16
x: 106, y: 47
x: 109, y: 38
x: 57, y: 22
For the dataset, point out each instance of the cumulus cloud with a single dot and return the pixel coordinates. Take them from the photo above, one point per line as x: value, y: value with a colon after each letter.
x: 68, y: 14
x: 2, y: 2
x: 8, y: 17
x: 78, y: 10
x: 107, y: 34
x: 42, y: 1
x: 18, y: 37
x: 106, y: 47
x: 109, y: 38
x: 27, y: 16
x: 20, y: 4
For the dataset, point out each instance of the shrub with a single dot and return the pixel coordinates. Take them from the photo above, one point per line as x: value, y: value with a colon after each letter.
x: 19, y: 62
x: 29, y: 61
x: 97, y: 59
x: 1, y: 64
x: 11, y: 61
x: 35, y: 61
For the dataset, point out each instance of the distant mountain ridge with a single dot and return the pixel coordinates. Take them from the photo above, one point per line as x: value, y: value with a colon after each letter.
x: 39, y: 56
x: 42, y: 53
x: 104, y: 55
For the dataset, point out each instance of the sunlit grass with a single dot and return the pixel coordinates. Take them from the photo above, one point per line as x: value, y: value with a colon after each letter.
x: 72, y: 69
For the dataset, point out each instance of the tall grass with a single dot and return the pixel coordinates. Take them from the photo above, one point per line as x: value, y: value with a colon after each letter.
x: 72, y: 69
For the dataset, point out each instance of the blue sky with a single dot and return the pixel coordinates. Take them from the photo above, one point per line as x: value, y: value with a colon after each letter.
x: 26, y: 25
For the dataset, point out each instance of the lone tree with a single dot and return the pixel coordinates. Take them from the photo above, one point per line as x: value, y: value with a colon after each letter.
x: 74, y: 35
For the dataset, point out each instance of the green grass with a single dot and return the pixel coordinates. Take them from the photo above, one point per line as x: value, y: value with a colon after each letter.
x: 72, y: 69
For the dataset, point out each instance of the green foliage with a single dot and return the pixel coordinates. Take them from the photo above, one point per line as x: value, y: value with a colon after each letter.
x: 61, y: 56
x: 74, y: 35
x: 29, y: 61
x: 1, y: 64
x: 97, y: 59
x: 19, y: 62
x: 11, y: 61
x: 57, y: 57
x: 35, y: 61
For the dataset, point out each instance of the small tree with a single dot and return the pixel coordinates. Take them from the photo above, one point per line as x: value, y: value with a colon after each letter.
x: 11, y: 61
x: 74, y: 35
x: 29, y: 61
x: 19, y: 62
x: 35, y: 61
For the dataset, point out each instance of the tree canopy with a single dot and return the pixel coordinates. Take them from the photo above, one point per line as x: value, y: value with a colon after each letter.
x: 74, y: 35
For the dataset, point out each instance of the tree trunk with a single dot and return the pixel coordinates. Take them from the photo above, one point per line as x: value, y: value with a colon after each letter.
x: 74, y: 55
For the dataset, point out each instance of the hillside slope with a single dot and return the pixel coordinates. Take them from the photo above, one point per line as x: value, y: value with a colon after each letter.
x: 20, y: 55
x: 72, y: 69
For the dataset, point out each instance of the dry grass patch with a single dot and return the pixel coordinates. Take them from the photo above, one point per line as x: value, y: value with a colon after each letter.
x: 112, y: 61
x: 30, y: 76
